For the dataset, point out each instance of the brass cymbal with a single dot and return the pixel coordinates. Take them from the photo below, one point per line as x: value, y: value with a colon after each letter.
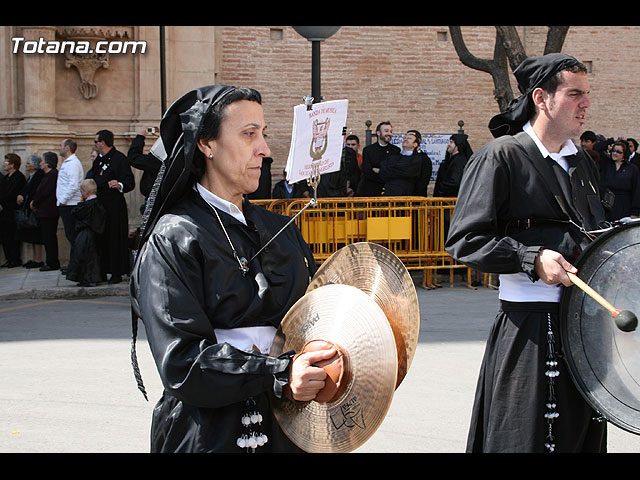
x: 378, y: 272
x: 349, y: 318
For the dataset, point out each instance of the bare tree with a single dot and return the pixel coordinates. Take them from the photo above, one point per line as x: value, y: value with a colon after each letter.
x: 508, y: 53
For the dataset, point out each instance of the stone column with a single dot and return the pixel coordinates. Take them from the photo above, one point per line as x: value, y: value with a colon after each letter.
x: 39, y: 80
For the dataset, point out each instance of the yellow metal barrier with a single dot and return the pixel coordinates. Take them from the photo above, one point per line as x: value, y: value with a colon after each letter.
x: 414, y: 228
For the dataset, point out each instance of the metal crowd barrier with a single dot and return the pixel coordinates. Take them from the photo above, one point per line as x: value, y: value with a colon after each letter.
x: 414, y: 228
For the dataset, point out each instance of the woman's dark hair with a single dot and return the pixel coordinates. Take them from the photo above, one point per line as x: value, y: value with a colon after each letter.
x: 212, y: 121
x: 14, y: 160
x: 51, y: 159
x: 625, y: 147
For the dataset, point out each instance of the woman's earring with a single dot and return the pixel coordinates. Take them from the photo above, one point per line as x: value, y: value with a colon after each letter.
x: 210, y: 156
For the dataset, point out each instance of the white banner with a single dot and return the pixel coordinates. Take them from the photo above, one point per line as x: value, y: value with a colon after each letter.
x: 316, y: 139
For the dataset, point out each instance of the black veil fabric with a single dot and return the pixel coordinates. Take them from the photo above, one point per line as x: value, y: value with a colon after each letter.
x: 530, y: 74
x: 176, y: 148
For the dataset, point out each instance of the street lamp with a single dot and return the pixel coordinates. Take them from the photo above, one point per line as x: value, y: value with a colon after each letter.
x: 315, y: 35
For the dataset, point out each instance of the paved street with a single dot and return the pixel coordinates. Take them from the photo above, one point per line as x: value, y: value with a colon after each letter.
x: 68, y: 384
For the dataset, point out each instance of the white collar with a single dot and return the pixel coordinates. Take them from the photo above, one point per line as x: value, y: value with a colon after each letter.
x: 568, y: 147
x: 215, y: 201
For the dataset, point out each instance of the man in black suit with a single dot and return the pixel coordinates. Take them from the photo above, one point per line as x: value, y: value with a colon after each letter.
x: 113, y: 176
x: 373, y: 155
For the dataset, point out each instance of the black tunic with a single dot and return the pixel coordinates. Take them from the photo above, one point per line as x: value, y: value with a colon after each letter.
x: 114, y: 242
x: 422, y: 182
x: 400, y: 174
x: 187, y: 283
x: 510, y: 205
x: 84, y: 261
x: 371, y: 184
x: 449, y: 176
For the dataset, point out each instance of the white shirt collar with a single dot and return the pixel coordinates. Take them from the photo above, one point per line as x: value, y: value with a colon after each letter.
x: 215, y: 201
x: 568, y: 148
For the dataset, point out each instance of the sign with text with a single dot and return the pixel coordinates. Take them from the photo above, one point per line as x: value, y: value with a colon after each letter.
x: 316, y: 139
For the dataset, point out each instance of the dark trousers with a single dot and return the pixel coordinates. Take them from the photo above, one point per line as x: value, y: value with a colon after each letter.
x: 49, y: 232
x: 68, y: 222
x: 10, y: 245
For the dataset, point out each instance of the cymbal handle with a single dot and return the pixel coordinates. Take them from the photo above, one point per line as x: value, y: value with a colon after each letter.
x: 592, y: 293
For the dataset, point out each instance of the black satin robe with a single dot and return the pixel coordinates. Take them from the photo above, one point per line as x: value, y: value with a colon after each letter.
x: 185, y: 284
x: 511, y: 204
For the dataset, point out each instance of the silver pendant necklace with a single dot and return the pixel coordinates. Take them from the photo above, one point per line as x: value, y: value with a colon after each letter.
x: 242, y: 262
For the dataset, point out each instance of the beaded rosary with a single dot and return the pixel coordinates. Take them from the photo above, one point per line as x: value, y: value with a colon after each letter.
x: 251, y: 421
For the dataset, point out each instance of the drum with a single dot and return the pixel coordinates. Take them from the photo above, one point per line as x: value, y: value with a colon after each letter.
x: 604, y: 361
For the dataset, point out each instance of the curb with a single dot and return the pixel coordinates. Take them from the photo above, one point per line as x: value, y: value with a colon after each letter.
x: 68, y: 292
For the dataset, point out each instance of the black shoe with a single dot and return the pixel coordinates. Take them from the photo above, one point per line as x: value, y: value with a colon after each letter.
x: 47, y: 268
x: 83, y: 284
x: 14, y: 264
x: 115, y: 279
x: 32, y: 264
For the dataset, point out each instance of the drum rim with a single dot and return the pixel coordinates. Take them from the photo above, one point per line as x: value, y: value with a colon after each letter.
x: 596, y: 403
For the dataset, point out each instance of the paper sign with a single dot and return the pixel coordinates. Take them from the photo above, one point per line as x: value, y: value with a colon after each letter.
x: 316, y: 139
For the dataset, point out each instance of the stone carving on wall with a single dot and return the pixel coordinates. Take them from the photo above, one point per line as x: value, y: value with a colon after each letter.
x: 88, y: 63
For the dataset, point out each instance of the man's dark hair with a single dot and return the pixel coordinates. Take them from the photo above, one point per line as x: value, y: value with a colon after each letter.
x: 381, y: 124
x: 105, y: 136
x: 71, y: 144
x: 589, y: 136
x: 418, y: 136
x: 551, y: 85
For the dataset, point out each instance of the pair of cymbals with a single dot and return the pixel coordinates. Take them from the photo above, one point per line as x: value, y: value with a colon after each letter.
x: 363, y: 301
x: 379, y: 273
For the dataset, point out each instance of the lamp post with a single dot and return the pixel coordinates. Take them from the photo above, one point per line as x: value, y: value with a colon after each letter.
x: 316, y: 35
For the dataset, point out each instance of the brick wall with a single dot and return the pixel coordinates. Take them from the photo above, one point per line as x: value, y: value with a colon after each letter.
x: 412, y: 76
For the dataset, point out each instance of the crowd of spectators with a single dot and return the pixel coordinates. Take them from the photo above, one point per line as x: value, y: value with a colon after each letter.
x: 55, y: 187
x: 619, y: 168
x: 91, y: 206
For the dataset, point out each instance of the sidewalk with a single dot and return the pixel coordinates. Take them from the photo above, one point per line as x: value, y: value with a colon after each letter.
x: 22, y: 283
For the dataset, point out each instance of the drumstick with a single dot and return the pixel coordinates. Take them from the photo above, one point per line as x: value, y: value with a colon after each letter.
x: 624, y: 319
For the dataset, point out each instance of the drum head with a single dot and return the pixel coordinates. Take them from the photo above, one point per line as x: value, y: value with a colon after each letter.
x: 605, y: 361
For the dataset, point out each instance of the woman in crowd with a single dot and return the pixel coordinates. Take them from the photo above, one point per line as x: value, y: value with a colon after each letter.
x: 210, y: 297
x: 32, y: 236
x: 623, y: 180
x: 44, y: 204
x: 10, y: 187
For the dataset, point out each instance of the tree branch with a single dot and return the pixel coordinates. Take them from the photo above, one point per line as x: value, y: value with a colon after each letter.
x: 555, y: 39
x: 465, y: 56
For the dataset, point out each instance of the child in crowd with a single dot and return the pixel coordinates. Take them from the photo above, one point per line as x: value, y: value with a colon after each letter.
x: 84, y: 262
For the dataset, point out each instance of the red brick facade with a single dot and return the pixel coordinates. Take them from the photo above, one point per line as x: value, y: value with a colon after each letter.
x: 412, y: 76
